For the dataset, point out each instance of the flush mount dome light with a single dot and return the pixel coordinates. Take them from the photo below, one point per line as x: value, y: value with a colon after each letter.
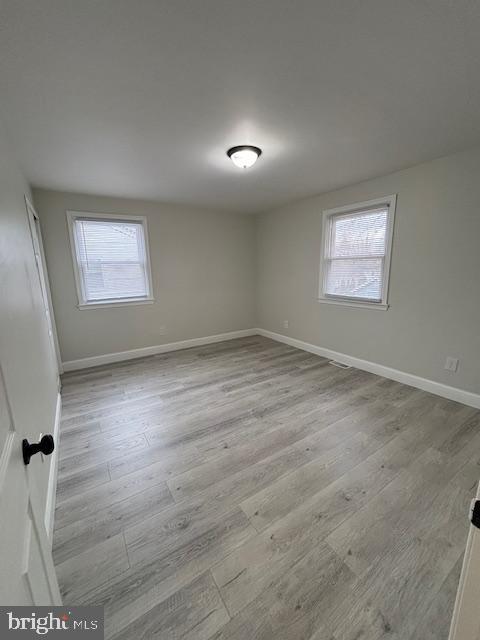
x: 244, y: 156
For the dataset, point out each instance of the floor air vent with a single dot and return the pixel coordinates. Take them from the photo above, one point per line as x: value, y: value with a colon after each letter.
x: 340, y: 365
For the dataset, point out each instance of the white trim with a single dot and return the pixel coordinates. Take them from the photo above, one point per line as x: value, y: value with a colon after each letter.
x: 108, y: 358
x: 391, y: 203
x: 465, y: 623
x: 52, y: 476
x: 36, y: 236
x: 353, y: 303
x: 82, y: 302
x: 124, y: 303
x: 6, y: 454
x: 437, y: 388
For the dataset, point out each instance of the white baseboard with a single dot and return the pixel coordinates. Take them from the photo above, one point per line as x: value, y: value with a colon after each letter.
x: 52, y: 476
x: 437, y: 388
x: 109, y: 358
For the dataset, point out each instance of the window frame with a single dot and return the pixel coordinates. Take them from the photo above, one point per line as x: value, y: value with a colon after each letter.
x: 83, y: 303
x: 357, y: 207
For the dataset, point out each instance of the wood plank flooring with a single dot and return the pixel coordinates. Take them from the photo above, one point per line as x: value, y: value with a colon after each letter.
x: 249, y: 490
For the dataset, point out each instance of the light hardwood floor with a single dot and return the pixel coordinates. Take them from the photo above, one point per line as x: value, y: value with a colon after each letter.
x: 248, y: 490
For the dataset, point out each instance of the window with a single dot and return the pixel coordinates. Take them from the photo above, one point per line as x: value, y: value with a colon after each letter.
x: 110, y: 259
x: 356, y: 248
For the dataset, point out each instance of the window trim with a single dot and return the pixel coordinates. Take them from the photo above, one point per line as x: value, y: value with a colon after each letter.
x: 382, y: 305
x: 72, y: 216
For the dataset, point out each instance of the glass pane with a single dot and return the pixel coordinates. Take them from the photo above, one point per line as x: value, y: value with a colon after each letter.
x: 111, y: 259
x: 114, y: 280
x: 359, y: 234
x: 355, y: 278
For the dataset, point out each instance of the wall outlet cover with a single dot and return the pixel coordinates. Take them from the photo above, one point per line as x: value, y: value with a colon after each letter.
x: 451, y: 364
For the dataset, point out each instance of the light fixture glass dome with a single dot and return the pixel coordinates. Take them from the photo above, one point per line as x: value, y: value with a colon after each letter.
x: 244, y: 156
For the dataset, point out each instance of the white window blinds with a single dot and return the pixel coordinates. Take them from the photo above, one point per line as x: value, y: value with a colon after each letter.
x: 355, y: 254
x: 111, y: 259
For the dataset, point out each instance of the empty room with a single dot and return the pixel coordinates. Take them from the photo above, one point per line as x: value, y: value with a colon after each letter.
x: 240, y: 319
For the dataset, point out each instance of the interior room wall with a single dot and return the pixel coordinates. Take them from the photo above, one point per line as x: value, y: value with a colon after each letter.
x: 203, y: 268
x: 26, y: 357
x: 434, y: 280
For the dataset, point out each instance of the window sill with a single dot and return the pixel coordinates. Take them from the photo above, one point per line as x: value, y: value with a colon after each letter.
x: 114, y: 303
x: 376, y: 306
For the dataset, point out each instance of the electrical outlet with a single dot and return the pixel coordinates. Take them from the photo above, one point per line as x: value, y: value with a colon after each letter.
x: 162, y: 330
x: 285, y: 324
x: 451, y: 364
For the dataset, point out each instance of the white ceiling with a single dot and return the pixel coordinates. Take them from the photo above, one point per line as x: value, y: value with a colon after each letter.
x: 142, y: 98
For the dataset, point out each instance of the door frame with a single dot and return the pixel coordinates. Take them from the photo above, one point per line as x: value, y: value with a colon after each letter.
x: 36, y: 234
x: 465, y: 623
x: 36, y: 237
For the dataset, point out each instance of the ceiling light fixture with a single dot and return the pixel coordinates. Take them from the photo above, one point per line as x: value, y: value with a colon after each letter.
x: 244, y: 156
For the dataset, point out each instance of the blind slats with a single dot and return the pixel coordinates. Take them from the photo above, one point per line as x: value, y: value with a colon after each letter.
x: 111, y: 259
x: 355, y: 255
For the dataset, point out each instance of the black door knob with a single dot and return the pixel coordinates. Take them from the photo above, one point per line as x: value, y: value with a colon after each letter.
x: 46, y: 446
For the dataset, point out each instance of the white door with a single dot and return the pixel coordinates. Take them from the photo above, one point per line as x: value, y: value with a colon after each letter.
x: 34, y: 223
x: 27, y: 574
x: 466, y: 615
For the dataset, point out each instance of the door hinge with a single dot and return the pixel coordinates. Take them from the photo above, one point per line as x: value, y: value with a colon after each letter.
x: 475, y: 513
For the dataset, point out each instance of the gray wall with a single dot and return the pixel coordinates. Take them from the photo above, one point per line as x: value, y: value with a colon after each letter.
x: 209, y: 267
x: 203, y: 268
x: 434, y: 283
x: 26, y: 357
